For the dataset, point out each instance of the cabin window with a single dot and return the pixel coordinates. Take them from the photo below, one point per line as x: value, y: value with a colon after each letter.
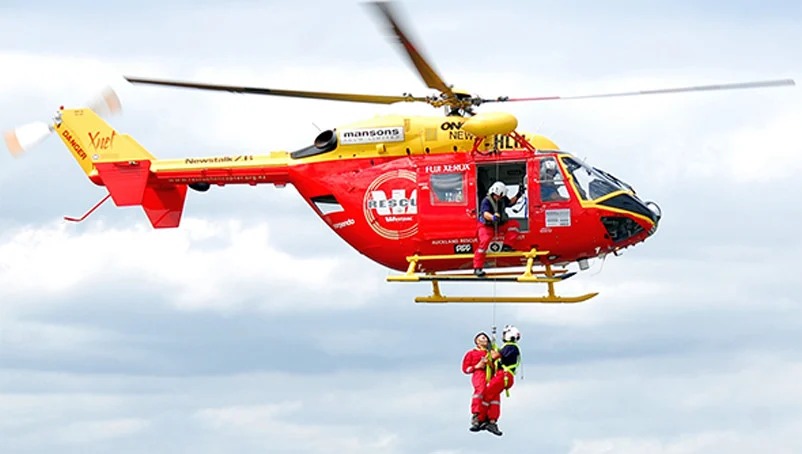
x: 327, y: 204
x: 448, y: 188
x: 551, y: 181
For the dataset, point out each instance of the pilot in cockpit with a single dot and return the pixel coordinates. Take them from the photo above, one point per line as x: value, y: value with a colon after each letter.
x: 549, y: 181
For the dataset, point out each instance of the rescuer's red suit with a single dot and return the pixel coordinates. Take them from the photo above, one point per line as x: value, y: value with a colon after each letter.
x: 509, y: 229
x: 495, y: 206
x: 492, y: 395
x: 473, y: 364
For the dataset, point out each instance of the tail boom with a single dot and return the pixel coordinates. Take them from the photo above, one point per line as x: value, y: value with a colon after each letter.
x: 160, y: 186
x: 134, y: 177
x: 268, y: 169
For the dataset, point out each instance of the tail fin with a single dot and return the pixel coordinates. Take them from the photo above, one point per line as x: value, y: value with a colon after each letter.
x: 91, y: 140
x: 108, y: 159
x: 122, y: 165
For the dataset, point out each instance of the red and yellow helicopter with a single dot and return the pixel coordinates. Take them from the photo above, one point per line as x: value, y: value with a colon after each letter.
x: 402, y: 190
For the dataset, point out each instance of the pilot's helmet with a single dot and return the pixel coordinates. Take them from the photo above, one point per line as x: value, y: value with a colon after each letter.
x: 548, y: 168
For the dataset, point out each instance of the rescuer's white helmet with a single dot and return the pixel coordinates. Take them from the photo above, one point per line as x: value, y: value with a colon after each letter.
x: 511, y: 334
x: 498, y: 189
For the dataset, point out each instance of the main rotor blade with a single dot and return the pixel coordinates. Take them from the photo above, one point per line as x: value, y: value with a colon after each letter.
x: 429, y: 75
x: 732, y: 86
x: 373, y: 99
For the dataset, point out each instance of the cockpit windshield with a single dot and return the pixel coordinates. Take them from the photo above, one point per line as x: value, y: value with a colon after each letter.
x: 620, y: 183
x: 592, y: 183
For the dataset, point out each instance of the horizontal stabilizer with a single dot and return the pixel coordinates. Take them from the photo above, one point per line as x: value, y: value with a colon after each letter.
x: 126, y: 181
x: 164, y: 205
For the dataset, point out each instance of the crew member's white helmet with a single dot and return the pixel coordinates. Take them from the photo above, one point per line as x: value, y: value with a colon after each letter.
x: 548, y: 167
x: 510, y: 334
x: 498, y: 189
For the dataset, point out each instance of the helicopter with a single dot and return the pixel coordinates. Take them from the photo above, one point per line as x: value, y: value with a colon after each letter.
x: 402, y: 190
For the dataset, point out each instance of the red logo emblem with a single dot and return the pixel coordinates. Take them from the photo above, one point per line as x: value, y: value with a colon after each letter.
x: 391, y: 205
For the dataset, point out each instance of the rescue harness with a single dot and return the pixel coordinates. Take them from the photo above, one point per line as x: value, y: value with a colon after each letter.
x: 502, y: 213
x: 496, y: 363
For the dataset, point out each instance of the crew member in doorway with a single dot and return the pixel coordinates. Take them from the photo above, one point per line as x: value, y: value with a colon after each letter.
x: 493, y: 218
x: 508, y: 358
x: 478, y: 365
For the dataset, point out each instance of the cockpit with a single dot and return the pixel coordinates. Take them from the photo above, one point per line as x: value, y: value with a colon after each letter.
x: 557, y: 181
x: 590, y: 182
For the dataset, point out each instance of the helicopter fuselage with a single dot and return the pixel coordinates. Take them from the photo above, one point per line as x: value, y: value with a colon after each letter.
x: 395, y: 186
x: 392, y: 208
x: 418, y: 193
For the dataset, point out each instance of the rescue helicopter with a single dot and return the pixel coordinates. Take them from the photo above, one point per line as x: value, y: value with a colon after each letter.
x: 401, y: 190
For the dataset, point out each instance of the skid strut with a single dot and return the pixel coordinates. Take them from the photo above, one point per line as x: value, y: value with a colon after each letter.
x: 548, y: 276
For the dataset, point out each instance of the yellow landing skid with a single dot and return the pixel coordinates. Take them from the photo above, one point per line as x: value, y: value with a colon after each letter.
x: 549, y: 277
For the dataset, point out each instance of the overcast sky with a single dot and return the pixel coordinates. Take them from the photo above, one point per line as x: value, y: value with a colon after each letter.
x: 238, y: 332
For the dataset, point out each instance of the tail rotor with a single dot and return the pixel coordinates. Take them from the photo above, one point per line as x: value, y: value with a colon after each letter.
x: 25, y: 138
x: 106, y: 103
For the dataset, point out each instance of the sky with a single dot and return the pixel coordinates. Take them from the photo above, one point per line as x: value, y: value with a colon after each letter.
x: 241, y: 330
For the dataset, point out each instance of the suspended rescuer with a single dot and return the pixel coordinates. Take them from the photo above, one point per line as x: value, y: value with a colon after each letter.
x: 507, y: 361
x: 493, y: 218
x: 478, y: 365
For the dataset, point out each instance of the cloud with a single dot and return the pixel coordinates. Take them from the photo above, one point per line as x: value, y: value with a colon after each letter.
x: 31, y: 338
x: 764, y: 153
x: 690, y: 444
x: 667, y: 404
x: 701, y: 442
x: 94, y: 431
x: 220, y: 265
x: 266, y: 425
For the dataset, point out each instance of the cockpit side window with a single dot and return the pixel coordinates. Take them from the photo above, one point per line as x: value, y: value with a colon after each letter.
x: 551, y: 182
x: 589, y: 182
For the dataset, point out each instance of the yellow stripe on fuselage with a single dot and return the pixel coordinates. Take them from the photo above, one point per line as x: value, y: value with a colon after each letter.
x: 398, y: 136
x: 274, y: 159
x: 91, y: 140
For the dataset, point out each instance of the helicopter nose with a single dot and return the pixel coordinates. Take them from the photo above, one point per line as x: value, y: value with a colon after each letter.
x: 657, y: 215
x: 633, y: 204
x: 654, y: 208
x: 623, y: 228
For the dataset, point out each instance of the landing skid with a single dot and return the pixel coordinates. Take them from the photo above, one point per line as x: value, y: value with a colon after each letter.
x: 547, y: 276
